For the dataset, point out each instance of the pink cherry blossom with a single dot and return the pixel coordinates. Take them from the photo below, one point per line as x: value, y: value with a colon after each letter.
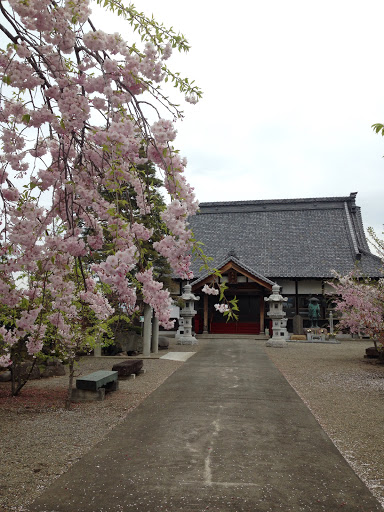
x: 360, y: 304
x: 221, y: 308
x: 209, y: 290
x: 75, y: 145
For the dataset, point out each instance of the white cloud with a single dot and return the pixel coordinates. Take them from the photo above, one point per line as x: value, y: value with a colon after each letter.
x: 291, y: 90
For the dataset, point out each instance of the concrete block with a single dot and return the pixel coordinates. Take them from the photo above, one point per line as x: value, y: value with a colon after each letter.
x: 85, y: 395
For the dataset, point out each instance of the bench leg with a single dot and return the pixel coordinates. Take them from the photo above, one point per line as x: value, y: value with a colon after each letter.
x: 114, y: 386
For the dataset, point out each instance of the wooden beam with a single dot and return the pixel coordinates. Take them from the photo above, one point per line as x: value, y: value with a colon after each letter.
x: 262, y: 309
x: 205, y: 320
x: 239, y: 269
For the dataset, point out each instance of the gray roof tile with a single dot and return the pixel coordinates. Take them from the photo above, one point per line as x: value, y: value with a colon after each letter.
x: 287, y: 237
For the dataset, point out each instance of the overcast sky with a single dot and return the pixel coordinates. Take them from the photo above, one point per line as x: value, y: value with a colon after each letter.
x: 291, y: 89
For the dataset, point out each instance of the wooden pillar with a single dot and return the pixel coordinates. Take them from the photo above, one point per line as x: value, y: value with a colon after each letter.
x: 323, y: 302
x: 297, y: 296
x: 205, y: 321
x: 262, y: 304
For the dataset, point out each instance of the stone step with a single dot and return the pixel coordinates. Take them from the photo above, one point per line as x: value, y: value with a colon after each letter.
x: 229, y: 336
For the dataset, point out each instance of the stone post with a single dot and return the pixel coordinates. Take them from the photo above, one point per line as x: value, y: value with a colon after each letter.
x: 147, y: 331
x: 330, y: 322
x: 298, y: 325
x: 97, y: 349
x: 155, y: 335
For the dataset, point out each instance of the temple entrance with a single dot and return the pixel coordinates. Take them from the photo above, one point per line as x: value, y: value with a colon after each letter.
x: 249, y: 317
x: 247, y: 286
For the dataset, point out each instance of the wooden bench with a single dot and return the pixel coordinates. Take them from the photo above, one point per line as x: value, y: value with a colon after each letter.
x: 95, y: 385
x: 128, y: 368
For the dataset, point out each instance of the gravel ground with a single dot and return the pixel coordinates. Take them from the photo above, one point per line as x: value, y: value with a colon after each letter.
x: 345, y: 392
x: 40, y: 440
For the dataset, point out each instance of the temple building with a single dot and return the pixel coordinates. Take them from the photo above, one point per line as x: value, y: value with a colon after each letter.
x: 295, y: 243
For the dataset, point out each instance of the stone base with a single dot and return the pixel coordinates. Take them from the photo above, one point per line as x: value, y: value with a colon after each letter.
x: 276, y: 343
x: 84, y: 395
x: 187, y: 340
x: 315, y: 337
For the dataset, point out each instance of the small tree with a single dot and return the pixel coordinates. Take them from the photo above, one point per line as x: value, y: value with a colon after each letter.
x: 82, y: 116
x: 360, y: 303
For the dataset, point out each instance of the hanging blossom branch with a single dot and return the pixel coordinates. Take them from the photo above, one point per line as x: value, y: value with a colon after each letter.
x: 72, y: 128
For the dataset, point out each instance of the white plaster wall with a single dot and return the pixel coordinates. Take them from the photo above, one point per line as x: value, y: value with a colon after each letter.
x: 287, y: 287
x: 310, y: 286
x: 328, y: 289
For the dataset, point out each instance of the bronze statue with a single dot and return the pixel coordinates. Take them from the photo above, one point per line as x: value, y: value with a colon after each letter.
x: 314, y: 311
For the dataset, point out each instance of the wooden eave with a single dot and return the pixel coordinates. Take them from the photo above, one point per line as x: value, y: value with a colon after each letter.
x: 240, y: 270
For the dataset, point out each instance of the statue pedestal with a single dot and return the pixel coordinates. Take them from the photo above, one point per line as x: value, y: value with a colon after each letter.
x: 316, y: 334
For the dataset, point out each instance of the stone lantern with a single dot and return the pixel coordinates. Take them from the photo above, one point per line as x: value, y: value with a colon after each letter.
x: 277, y: 315
x: 187, y: 314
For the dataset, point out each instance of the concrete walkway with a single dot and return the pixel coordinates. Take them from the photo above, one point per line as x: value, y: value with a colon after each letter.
x: 225, y: 432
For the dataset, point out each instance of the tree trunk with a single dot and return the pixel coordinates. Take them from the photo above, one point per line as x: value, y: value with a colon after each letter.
x: 68, y: 400
x: 16, y: 387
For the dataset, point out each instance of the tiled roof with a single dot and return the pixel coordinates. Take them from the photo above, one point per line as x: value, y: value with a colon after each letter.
x: 287, y: 238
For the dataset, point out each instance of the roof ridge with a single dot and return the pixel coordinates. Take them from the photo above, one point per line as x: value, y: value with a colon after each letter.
x: 343, y: 199
x: 351, y: 230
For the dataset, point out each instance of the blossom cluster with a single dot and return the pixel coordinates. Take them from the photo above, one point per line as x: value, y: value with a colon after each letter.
x: 221, y: 308
x: 72, y: 127
x: 158, y: 298
x: 360, y: 303
x: 177, y: 247
x: 210, y: 290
